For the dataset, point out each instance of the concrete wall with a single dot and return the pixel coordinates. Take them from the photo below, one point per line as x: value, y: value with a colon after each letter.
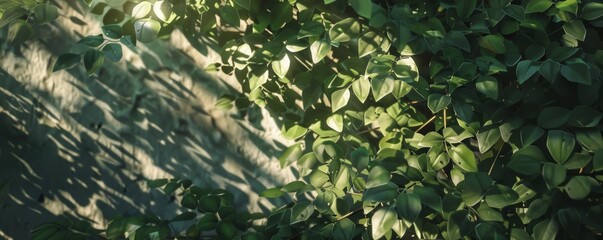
x: 83, y: 146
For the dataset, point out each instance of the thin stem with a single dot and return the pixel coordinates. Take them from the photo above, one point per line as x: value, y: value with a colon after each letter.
x: 425, y: 124
x: 368, y: 130
x: 495, y: 158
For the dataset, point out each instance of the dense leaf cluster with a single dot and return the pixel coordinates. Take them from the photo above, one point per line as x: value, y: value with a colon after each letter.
x: 423, y: 119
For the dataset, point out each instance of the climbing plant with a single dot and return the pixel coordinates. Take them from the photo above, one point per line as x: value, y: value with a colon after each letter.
x: 411, y: 119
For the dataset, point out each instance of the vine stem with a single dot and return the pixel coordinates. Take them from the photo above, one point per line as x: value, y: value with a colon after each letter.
x: 496, y: 158
x: 425, y: 124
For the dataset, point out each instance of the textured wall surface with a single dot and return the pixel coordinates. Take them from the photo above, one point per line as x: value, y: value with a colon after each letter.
x: 83, y: 146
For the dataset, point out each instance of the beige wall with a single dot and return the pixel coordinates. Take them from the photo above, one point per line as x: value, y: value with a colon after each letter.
x: 53, y: 163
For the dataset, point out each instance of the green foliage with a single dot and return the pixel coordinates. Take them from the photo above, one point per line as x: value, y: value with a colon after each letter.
x: 432, y: 119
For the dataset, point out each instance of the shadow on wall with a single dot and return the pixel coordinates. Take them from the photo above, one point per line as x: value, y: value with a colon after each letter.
x: 79, y: 146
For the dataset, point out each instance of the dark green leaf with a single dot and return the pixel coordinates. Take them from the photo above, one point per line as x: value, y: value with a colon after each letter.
x: 489, y: 230
x: 488, y: 86
x: 527, y: 161
x: 207, y: 223
x: 92, y: 41
x: 560, y: 144
x: 209, y: 204
x: 592, y: 11
x: 272, y: 193
x: 553, y: 117
x: 11, y: 14
x: 67, y: 61
x: 576, y: 71
x: 113, y: 31
x: 45, y: 13
x: 19, y: 32
x: 437, y: 102
x: 526, y: 69
x: 184, y: 217
x: 344, y: 229
x: 553, y: 174
x: 475, y: 186
x: 362, y: 7
x: 591, y: 140
x: 537, y: 208
x: 429, y: 197
x: 570, y: 220
x: 382, y: 193
x: 189, y: 201
x: 93, y: 60
x: 579, y: 187
x: 500, y: 196
x: 113, y: 52
x: 584, y: 116
x: 487, y: 137
x: 294, y: 186
x: 493, y: 43
x: 529, y: 134
x: 291, y: 154
x: 545, y: 230
x: 464, y: 8
x: 549, y: 69
x: 459, y: 224
x: 408, y: 206
x: 378, y: 176
x: 230, y: 15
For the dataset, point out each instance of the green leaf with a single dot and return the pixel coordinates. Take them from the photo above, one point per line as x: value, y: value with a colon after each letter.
x: 545, y: 230
x: 560, y: 144
x: 488, y: 86
x: 500, y: 196
x: 408, y: 206
x: 93, y: 60
x: 370, y: 42
x: 113, y: 52
x: 92, y: 41
x: 209, y: 204
x: 335, y: 122
x: 364, y: 8
x: 553, y: 117
x: 281, y: 13
x: 575, y: 29
x: 225, y: 102
x: 381, y: 86
x: 184, y: 217
x: 487, y: 137
x: 553, y: 174
x: 281, y: 66
x: 570, y: 220
x: 489, y: 230
x: 382, y: 193
x: 579, y: 187
x: 360, y: 158
x: 226, y: 230
x: 18, y: 32
x: 291, y: 154
x: 464, y: 158
x: 592, y: 11
x: 207, y: 223
x: 537, y: 208
x: 494, y: 43
x: 464, y: 8
x: 378, y: 176
x: 459, y: 224
x: 536, y: 6
x: 344, y: 229
x: 429, y: 197
x: 141, y: 10
x: 549, y: 69
x: 272, y: 193
x: 529, y: 134
x: 431, y: 139
x: 230, y: 15
x: 66, y: 61
x: 382, y: 221
x: 157, y: 183
x: 475, y: 186
x: 113, y: 31
x: 146, y: 30
x: 526, y: 69
x: 189, y: 201
x: 361, y: 88
x: 577, y: 71
x: 458, y: 39
x: 45, y: 13
x: 246, y: 4
x: 598, y: 161
x: 311, y: 29
x: 323, y: 201
x: 163, y: 10
x: 527, y: 161
x: 294, y: 186
x: 568, y: 5
x: 320, y: 48
x: 345, y: 30
x: 584, y: 116
x: 11, y: 14
x: 590, y: 140
x: 487, y: 213
x: 339, y: 99
x: 437, y: 102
